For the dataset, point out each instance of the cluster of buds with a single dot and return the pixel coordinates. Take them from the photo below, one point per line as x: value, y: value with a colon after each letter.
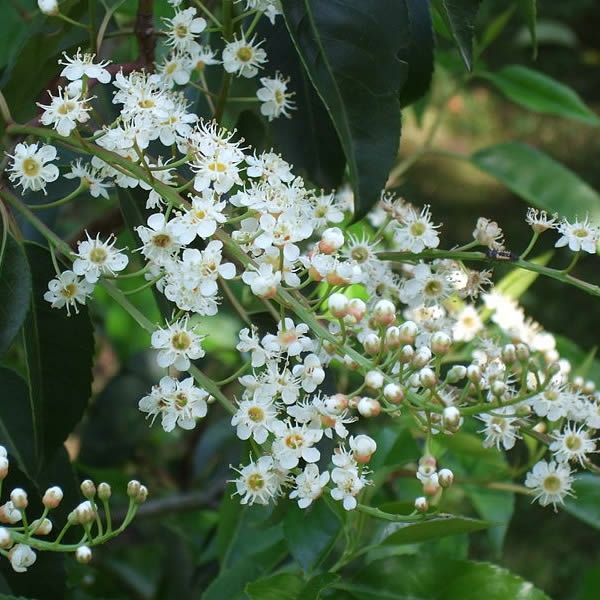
x: 21, y: 537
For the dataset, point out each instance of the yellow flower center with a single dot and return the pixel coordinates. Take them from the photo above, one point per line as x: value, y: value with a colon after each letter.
x: 181, y: 341
x: 244, y: 54
x: 256, y: 414
x: 256, y: 482
x: 69, y: 290
x: 31, y: 167
x: 98, y: 256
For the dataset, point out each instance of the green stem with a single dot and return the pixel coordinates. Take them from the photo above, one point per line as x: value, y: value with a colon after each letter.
x: 65, y: 200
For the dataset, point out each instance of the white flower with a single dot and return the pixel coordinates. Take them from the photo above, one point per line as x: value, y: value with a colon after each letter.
x: 572, y: 444
x: 95, y: 258
x: 48, y: 7
x: 264, y: 281
x: 80, y: 65
x: 218, y: 168
x: 183, y: 29
x: 64, y: 112
x: 178, y: 402
x: 243, y: 57
x: 21, y: 557
x: 254, y: 418
x: 10, y: 514
x: 29, y: 168
x: 91, y: 177
x: 259, y: 481
x: 201, y: 219
x: 177, y: 345
x: 501, y: 428
x: 468, y: 324
x: 270, y: 8
x: 580, y: 235
x: 294, y: 443
x: 309, y: 485
x: 290, y: 338
x: 488, y: 233
x: 160, y: 244
x: 311, y: 373
x: 275, y: 98
x: 68, y: 290
x: 540, y: 221
x: 249, y: 342
x: 417, y: 232
x: 550, y: 482
x: 349, y: 483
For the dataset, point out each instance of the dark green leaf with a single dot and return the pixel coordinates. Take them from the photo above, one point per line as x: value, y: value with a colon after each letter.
x: 178, y: 567
x: 494, y: 29
x: 528, y: 10
x: 282, y: 586
x: 308, y: 140
x: 15, y: 288
x: 232, y: 582
x: 59, y: 352
x: 16, y: 422
x: 431, y: 578
x: 349, y: 51
x: 586, y: 503
x: 312, y: 590
x: 418, y: 53
x: 413, y: 533
x: 311, y: 534
x: 459, y: 17
x: 541, y: 93
x: 539, y: 180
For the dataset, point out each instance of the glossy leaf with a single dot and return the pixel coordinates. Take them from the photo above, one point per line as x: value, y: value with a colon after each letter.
x: 459, y: 17
x: 518, y: 281
x: 528, y: 10
x: 282, y: 586
x: 431, y: 578
x: 312, y: 590
x: 15, y: 289
x: 308, y: 140
x: 585, y: 505
x: 541, y: 93
x: 17, y: 431
x: 538, y: 179
x: 311, y: 534
x: 413, y: 533
x: 59, y: 352
x: 349, y: 51
x: 418, y: 54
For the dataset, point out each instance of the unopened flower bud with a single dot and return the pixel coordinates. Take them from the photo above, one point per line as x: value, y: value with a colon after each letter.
x: 474, y: 373
x: 3, y: 467
x: 432, y: 486
x: 84, y: 513
x: 104, y: 491
x: 52, y: 497
x: 456, y: 373
x: 384, y: 312
x: 374, y: 380
x: 338, y: 305
x: 498, y: 388
x: 421, y: 504
x: 451, y: 418
x: 392, y: 337
x: 427, y: 378
x: 48, y: 7
x: 142, y: 495
x: 428, y: 463
x: 5, y: 538
x: 357, y: 308
x: 408, y: 332
x: 83, y: 555
x: 445, y: 478
x: 19, y: 498
x: 440, y: 342
x: 509, y: 353
x: 393, y: 393
x: 422, y: 357
x: 337, y: 403
x: 21, y: 556
x: 133, y: 488
x: 88, y: 489
x: 41, y: 527
x: 406, y: 354
x: 363, y: 447
x: 3, y: 452
x: 522, y: 410
x: 368, y: 407
x: 522, y: 351
x: 589, y: 387
x: 372, y: 343
x: 9, y: 514
x: 332, y: 239
x: 350, y: 363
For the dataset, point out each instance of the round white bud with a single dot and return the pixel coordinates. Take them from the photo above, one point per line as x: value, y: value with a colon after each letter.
x: 451, y: 418
x: 372, y: 343
x: 456, y: 373
x: 363, y: 447
x: 384, y: 312
x: 392, y: 337
x: 440, y: 342
x: 408, y: 332
x: 406, y: 354
x: 52, y: 497
x: 445, y: 478
x: 422, y: 357
x: 357, y: 308
x: 338, y: 305
x: 368, y: 407
x: 48, y: 7
x: 427, y: 377
x: 19, y: 498
x: 421, y: 504
x: 5, y: 538
x: 83, y: 554
x: 393, y: 393
x: 374, y: 380
x: 332, y: 239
